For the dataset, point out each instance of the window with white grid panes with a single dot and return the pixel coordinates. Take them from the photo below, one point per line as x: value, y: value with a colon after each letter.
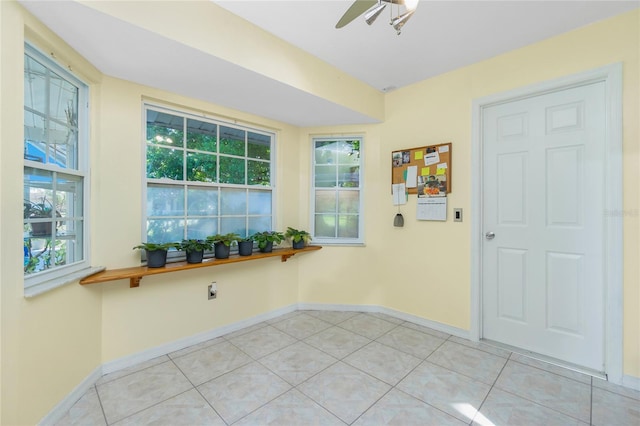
x: 55, y: 170
x: 205, y: 177
x: 337, y: 190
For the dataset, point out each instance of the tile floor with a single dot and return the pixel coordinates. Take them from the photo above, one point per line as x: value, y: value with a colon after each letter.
x: 343, y: 368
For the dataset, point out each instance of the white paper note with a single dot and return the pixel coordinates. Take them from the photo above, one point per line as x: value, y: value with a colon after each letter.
x: 399, y: 194
x: 444, y: 148
x: 431, y: 158
x: 412, y: 176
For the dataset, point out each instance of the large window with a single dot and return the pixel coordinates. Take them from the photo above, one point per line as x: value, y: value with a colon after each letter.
x: 337, y: 190
x: 55, y: 183
x: 205, y: 177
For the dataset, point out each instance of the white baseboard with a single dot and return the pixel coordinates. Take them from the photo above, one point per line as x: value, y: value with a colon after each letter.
x: 78, y: 392
x: 438, y: 326
x: 631, y: 382
x: 130, y: 360
x: 459, y: 332
x: 335, y: 307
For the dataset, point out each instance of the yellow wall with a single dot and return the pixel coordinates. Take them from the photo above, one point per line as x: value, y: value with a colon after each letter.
x: 395, y: 269
x: 50, y: 343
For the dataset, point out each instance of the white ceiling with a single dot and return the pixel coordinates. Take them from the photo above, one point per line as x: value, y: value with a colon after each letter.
x: 440, y: 37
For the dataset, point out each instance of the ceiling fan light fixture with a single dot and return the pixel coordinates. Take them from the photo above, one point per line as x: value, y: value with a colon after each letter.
x: 411, y: 4
x: 371, y: 14
x: 399, y: 21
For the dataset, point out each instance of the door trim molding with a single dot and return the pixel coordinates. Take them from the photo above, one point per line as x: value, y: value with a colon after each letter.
x: 611, y: 75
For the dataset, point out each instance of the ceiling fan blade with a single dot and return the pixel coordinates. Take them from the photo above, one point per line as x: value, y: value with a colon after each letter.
x: 356, y: 9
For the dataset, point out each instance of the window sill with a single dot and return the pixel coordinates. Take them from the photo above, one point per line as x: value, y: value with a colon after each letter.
x: 136, y: 273
x: 49, y: 285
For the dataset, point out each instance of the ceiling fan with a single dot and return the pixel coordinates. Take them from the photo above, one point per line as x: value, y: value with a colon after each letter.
x: 372, y: 9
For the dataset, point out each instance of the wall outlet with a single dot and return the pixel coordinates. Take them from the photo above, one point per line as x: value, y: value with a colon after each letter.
x: 212, y: 291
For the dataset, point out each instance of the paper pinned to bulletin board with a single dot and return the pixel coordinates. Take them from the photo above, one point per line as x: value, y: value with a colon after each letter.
x: 424, y: 171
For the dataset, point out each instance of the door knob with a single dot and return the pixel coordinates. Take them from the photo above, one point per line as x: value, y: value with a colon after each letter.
x: 490, y: 235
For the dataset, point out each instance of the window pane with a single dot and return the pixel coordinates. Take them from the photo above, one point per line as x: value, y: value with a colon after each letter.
x: 68, y: 247
x: 259, y: 224
x: 164, y: 163
x: 202, y: 201
x: 348, y: 201
x: 259, y: 146
x: 35, y: 147
x: 259, y: 172
x: 325, y: 225
x: 63, y: 101
x: 325, y: 152
x: 68, y: 196
x: 41, y: 254
x: 201, y: 135
x: 325, y: 201
x: 35, y: 87
x: 232, y: 141
x: 232, y: 170
x: 348, y: 176
x: 233, y: 224
x: 165, y: 200
x: 165, y: 129
x: 260, y: 202
x: 348, y: 152
x: 201, y: 228
x: 38, y: 192
x: 325, y: 176
x: 348, y: 226
x: 201, y: 167
x: 62, y: 145
x: 165, y: 230
x: 233, y: 201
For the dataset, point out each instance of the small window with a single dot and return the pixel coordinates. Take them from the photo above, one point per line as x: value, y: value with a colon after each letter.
x: 337, y: 191
x: 55, y: 170
x: 205, y: 177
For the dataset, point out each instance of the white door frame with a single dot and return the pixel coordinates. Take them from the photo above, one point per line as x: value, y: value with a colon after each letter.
x: 613, y: 252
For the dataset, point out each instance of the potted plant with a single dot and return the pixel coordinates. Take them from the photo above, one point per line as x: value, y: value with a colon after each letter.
x: 222, y: 244
x: 298, y: 237
x: 156, y: 253
x: 194, y: 249
x: 267, y: 239
x: 245, y: 246
x: 41, y: 210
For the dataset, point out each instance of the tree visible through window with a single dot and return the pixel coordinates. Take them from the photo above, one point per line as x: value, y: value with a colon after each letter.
x: 337, y: 189
x: 205, y: 177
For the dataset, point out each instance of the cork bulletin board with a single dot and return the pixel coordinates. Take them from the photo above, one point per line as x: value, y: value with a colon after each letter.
x: 425, y: 170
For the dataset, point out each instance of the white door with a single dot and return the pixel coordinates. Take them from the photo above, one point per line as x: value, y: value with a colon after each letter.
x: 543, y: 218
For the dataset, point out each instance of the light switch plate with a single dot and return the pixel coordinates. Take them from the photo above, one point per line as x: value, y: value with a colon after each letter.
x: 457, y: 215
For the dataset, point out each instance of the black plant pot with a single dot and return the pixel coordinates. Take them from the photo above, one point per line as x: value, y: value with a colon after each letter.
x: 221, y: 250
x: 267, y: 248
x: 156, y: 258
x: 195, y: 256
x: 298, y: 244
x: 245, y: 248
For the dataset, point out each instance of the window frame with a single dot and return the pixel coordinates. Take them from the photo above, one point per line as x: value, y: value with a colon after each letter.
x: 45, y: 280
x: 338, y: 241
x: 185, y: 113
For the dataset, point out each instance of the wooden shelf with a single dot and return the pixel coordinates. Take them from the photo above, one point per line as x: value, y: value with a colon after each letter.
x: 135, y: 273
